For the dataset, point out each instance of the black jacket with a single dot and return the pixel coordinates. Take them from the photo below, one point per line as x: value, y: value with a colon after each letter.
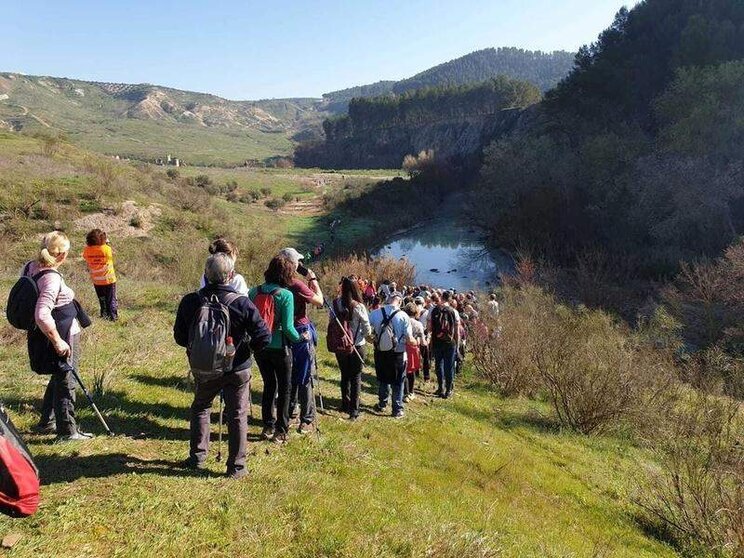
x: 247, y: 328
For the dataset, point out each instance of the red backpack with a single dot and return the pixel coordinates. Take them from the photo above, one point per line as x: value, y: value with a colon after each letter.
x: 339, y: 338
x: 19, y: 477
x: 266, y: 306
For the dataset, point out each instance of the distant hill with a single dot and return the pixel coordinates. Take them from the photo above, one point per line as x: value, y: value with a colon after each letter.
x: 543, y: 69
x: 147, y: 121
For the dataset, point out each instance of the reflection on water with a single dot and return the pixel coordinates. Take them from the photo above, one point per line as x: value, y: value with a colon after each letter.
x: 449, y: 256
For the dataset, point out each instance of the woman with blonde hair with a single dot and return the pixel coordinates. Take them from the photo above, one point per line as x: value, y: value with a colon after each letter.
x: 54, y: 344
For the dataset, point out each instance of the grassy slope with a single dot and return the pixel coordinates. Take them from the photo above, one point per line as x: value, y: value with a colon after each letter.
x: 94, y: 122
x: 475, y: 476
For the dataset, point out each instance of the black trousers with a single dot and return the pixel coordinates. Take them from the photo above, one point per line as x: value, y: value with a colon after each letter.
x: 425, y: 361
x: 351, y: 380
x: 234, y: 388
x: 107, y: 299
x: 58, y: 405
x: 275, y: 366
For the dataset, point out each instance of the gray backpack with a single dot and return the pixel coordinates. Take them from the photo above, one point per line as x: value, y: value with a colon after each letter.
x: 207, y: 347
x: 385, y: 339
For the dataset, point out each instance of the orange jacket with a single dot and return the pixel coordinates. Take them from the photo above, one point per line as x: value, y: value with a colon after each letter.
x: 100, y: 260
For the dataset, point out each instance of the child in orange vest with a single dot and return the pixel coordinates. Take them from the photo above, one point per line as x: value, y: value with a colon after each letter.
x: 100, y: 259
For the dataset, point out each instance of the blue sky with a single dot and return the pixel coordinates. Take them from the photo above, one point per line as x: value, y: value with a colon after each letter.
x: 280, y: 48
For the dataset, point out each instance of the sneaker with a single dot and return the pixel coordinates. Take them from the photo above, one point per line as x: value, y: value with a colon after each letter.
x: 76, y: 437
x: 411, y: 396
x: 267, y: 433
x: 378, y: 408
x: 399, y: 415
x: 280, y: 438
x: 448, y: 393
x: 294, y: 421
x: 407, y: 397
x: 306, y: 428
x: 191, y: 463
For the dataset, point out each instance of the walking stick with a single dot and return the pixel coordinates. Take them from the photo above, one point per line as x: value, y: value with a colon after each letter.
x: 67, y: 368
x: 312, y: 379
x: 346, y: 333
x: 219, y: 436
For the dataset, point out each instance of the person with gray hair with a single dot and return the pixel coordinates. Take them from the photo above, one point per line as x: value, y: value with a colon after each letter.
x: 248, y: 333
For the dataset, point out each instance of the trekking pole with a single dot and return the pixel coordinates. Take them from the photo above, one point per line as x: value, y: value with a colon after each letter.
x: 219, y: 436
x: 317, y: 421
x: 88, y: 396
x: 341, y: 327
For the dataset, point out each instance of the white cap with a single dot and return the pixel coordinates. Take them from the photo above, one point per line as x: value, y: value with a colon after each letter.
x: 392, y: 296
x: 292, y: 255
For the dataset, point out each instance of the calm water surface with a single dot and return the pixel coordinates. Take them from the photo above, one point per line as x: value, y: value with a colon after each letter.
x: 450, y: 256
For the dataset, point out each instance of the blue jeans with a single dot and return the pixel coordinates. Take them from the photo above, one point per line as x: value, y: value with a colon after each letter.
x: 444, y: 365
x: 391, y: 366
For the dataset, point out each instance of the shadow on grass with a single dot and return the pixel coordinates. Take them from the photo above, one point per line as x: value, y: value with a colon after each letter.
x: 64, y: 468
x: 175, y: 381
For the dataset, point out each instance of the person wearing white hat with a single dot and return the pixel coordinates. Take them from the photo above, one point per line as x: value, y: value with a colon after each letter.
x: 303, y: 353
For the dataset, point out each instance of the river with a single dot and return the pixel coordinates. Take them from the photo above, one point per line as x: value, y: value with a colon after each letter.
x: 449, y: 255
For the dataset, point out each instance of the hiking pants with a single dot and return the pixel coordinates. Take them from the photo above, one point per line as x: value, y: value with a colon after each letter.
x: 58, y: 405
x: 444, y: 365
x: 425, y: 361
x: 391, y: 365
x: 351, y: 380
x: 234, y: 388
x: 303, y: 370
x: 107, y: 299
x: 276, y: 370
x: 411, y: 381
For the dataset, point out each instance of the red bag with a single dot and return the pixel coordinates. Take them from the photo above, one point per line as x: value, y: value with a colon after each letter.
x: 414, y: 358
x: 266, y: 307
x: 19, y: 477
x: 339, y: 338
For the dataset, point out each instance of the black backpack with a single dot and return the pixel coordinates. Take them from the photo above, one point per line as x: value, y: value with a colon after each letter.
x: 210, y: 328
x: 22, y: 300
x: 443, y: 324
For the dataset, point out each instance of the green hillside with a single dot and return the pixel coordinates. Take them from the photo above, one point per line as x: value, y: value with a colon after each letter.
x: 149, y: 122
x: 477, y: 476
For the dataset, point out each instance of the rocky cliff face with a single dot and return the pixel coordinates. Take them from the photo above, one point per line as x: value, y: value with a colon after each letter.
x: 454, y: 140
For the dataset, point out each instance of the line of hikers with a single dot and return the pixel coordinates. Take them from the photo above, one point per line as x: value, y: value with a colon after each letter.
x: 225, y: 325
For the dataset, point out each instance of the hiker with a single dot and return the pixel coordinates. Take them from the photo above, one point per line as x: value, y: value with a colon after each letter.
x: 392, y: 330
x: 493, y: 305
x: 100, y: 259
x: 54, y: 345
x: 349, y: 343
x: 444, y: 326
x: 413, y: 354
x: 424, y: 307
x: 384, y: 290
x: 369, y: 293
x: 303, y: 352
x: 462, y: 343
x: 276, y: 306
x: 221, y: 245
x: 243, y: 331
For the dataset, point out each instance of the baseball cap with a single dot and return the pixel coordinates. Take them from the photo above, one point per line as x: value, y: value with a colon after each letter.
x: 291, y: 254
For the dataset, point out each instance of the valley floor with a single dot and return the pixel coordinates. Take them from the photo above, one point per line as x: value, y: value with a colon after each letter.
x: 476, y: 476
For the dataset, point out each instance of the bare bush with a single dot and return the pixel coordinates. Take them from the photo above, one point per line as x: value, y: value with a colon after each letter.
x: 415, y: 165
x: 375, y: 269
x: 501, y: 348
x: 697, y: 493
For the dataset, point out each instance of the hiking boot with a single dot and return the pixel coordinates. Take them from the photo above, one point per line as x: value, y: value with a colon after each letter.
x: 294, y: 421
x: 411, y: 396
x: 399, y: 415
x: 48, y: 428
x: 306, y: 428
x: 447, y: 394
x: 193, y: 464
x: 378, y: 408
x: 75, y: 437
x: 267, y: 433
x: 406, y: 398
x: 237, y: 475
x: 280, y: 438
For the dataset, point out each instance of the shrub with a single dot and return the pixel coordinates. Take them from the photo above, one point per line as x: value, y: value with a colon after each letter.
x: 275, y: 203
x: 232, y: 196
x: 697, y: 493
x: 288, y: 197
x: 375, y: 269
x: 173, y: 174
x: 501, y: 350
x: 202, y: 181
x: 136, y: 221
x: 266, y: 192
x: 250, y: 196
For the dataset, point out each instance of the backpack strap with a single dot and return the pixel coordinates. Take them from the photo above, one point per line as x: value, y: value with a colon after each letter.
x: 43, y: 272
